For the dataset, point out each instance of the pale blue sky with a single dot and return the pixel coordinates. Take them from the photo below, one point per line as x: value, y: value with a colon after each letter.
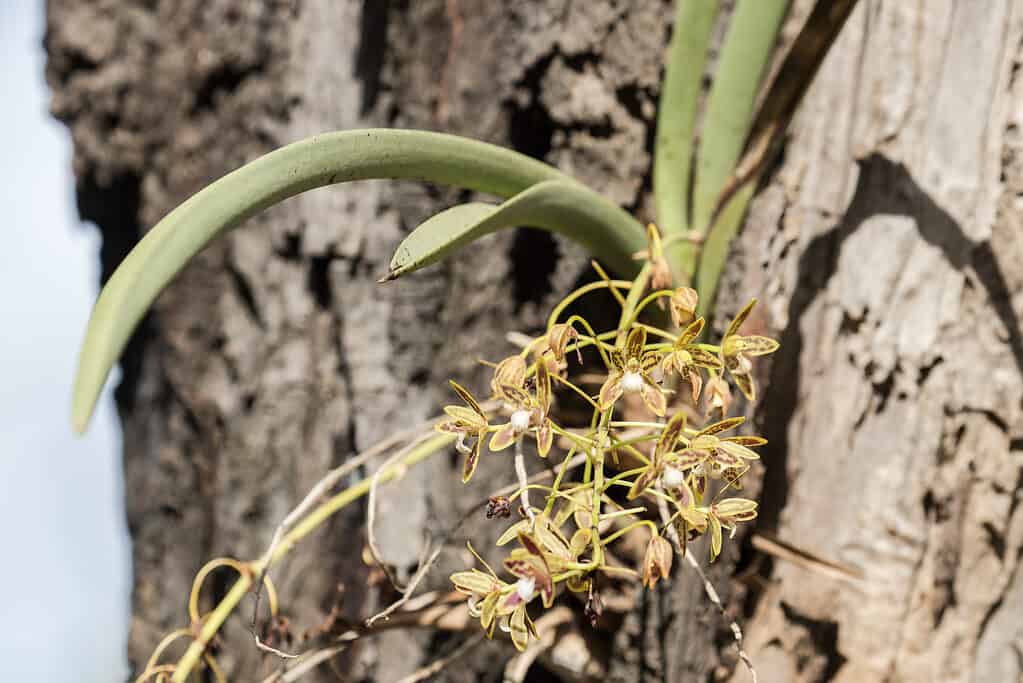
x: 64, y: 568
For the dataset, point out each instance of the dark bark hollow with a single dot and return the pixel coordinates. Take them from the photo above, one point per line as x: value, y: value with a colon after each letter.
x: 884, y: 248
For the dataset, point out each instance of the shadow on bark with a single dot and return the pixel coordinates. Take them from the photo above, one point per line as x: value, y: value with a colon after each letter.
x: 884, y: 187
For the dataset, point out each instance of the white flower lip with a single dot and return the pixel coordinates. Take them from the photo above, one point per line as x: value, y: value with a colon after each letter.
x: 520, y: 421
x: 525, y: 588
x: 672, y: 478
x: 632, y: 382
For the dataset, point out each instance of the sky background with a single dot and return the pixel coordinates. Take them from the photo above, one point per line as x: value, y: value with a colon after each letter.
x: 64, y: 568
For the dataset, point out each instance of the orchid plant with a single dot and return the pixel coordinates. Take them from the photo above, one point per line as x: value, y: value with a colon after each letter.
x: 640, y: 440
x: 651, y: 459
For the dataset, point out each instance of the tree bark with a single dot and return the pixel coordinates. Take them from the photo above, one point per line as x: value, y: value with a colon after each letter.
x: 886, y: 250
x: 882, y: 248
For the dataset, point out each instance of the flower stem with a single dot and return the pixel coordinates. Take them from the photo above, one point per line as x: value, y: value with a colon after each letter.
x: 310, y: 523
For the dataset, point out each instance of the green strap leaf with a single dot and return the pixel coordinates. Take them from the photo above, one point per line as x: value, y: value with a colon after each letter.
x: 565, y: 208
x: 744, y: 57
x: 790, y: 84
x: 317, y: 161
x: 676, y: 122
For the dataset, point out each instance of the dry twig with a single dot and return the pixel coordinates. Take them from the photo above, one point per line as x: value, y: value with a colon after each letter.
x: 708, y: 587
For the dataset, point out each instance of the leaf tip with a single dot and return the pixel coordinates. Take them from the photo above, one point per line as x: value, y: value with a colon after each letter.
x: 80, y: 418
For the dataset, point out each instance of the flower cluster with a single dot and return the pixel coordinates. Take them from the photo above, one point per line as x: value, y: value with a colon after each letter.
x: 638, y: 449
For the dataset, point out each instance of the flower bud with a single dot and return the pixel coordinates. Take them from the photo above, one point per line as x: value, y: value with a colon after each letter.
x: 683, y: 306
x: 558, y: 339
x: 719, y: 395
x: 656, y: 561
x: 498, y: 506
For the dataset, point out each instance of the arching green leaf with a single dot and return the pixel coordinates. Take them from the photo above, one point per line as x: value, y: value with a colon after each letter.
x: 565, y: 208
x: 317, y: 161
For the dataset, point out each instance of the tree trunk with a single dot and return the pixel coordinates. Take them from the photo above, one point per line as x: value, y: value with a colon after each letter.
x: 886, y: 249
x: 881, y: 248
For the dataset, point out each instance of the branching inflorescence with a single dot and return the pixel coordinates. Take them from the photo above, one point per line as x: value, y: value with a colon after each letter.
x: 652, y: 460
x: 642, y: 449
x: 654, y: 456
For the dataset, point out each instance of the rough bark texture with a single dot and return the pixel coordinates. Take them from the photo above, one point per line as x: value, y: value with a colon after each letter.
x: 887, y: 249
x: 883, y: 248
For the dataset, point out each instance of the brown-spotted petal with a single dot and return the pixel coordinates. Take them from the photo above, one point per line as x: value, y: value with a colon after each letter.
x: 746, y: 440
x: 744, y: 381
x: 611, y: 390
x: 704, y: 358
x: 692, y: 331
x: 450, y: 427
x: 464, y: 394
x: 695, y: 379
x: 530, y: 545
x: 635, y: 342
x: 523, y: 567
x: 689, y: 458
x: 721, y: 426
x: 755, y: 345
x: 488, y: 611
x: 740, y: 318
x: 715, y: 537
x: 736, y: 509
x: 509, y: 372
x: 643, y: 482
x: 700, y: 485
x: 649, y: 361
x: 653, y: 397
x: 519, y: 632
x: 669, y: 435
x: 724, y: 459
x: 515, y: 395
x: 472, y: 459
x: 737, y: 450
x: 543, y: 387
x: 474, y: 582
x: 502, y: 438
x: 544, y: 438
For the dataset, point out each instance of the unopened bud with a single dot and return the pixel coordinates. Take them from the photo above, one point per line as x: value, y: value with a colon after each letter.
x: 683, y: 306
x: 719, y: 395
x: 559, y: 338
x: 656, y: 561
x: 498, y: 506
